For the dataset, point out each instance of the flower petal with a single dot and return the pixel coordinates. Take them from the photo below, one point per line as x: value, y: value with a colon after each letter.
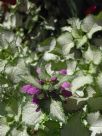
x: 29, y: 89
x: 25, y: 88
x: 65, y: 85
x: 90, y: 10
x: 63, y: 71
x: 66, y: 93
x: 35, y: 100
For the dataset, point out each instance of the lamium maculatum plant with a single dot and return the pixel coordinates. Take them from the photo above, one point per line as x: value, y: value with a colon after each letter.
x: 50, y: 89
x: 52, y: 86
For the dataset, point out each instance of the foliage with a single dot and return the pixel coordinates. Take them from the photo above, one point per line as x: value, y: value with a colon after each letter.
x: 37, y: 77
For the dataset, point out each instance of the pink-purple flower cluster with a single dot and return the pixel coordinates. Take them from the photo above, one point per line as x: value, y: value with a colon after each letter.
x: 36, y: 93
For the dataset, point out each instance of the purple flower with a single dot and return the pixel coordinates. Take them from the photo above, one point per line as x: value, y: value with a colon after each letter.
x: 38, y: 109
x: 35, y: 100
x: 65, y: 85
x: 66, y: 93
x: 38, y: 70
x: 41, y: 82
x: 53, y: 79
x: 63, y: 72
x: 29, y: 89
